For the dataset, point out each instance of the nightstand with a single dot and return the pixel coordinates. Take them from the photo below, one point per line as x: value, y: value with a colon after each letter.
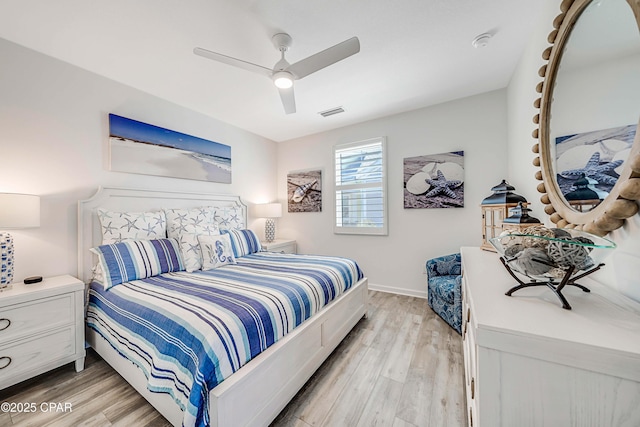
x: 41, y: 328
x: 285, y: 246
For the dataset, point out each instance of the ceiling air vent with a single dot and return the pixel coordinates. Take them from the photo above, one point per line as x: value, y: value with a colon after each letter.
x: 331, y: 112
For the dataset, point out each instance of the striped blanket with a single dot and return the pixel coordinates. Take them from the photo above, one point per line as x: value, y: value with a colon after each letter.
x: 189, y: 331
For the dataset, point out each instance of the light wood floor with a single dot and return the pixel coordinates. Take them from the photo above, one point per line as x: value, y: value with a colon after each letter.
x: 400, y: 367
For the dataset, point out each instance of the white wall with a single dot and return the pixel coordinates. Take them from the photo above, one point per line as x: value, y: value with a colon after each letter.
x: 475, y: 125
x: 623, y: 265
x: 611, y: 101
x: 53, y: 142
x: 521, y: 95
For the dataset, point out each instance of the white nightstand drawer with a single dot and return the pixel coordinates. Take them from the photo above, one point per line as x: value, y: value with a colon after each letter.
x: 38, y: 351
x: 20, y: 320
x: 286, y: 249
x: 41, y: 328
x: 280, y: 245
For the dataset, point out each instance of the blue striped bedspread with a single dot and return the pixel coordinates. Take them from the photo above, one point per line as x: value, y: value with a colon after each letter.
x: 189, y: 331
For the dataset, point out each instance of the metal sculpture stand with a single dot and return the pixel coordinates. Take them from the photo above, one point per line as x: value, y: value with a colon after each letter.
x: 555, y: 287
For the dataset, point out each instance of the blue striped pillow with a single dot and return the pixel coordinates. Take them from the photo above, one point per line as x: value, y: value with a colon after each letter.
x: 137, y: 259
x: 243, y: 242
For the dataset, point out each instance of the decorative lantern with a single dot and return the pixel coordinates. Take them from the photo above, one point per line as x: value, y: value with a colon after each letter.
x: 495, y: 209
x: 519, y: 219
x: 585, y: 195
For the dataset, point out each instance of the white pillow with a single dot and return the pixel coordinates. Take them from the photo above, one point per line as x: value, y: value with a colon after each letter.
x: 216, y: 251
x: 195, y: 221
x: 119, y: 226
x: 190, y: 251
x: 229, y: 218
x: 185, y: 225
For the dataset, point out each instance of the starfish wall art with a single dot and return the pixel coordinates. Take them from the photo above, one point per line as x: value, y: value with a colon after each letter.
x: 597, y: 155
x: 434, y: 181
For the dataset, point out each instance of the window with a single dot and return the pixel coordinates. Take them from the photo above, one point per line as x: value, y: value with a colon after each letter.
x: 361, y: 187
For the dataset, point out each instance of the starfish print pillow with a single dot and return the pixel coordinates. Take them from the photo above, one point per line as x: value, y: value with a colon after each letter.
x: 196, y: 221
x: 185, y: 225
x: 229, y: 218
x: 121, y: 226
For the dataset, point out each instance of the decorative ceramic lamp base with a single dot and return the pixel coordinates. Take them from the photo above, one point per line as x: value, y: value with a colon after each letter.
x: 270, y: 230
x: 6, y: 261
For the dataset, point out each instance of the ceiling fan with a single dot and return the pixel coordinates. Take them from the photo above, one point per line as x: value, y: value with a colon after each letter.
x: 283, y: 74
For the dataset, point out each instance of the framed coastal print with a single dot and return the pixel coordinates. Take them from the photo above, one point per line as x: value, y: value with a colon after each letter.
x: 137, y: 147
x: 596, y: 156
x: 434, y: 181
x: 304, y: 191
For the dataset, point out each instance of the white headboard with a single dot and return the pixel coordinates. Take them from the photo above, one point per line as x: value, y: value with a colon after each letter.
x: 135, y: 200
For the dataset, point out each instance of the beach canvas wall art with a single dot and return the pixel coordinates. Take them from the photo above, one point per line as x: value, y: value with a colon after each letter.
x: 434, y: 181
x: 304, y: 191
x: 598, y: 155
x: 137, y: 147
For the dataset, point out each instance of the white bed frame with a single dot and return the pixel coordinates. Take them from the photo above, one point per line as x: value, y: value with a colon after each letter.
x: 254, y: 395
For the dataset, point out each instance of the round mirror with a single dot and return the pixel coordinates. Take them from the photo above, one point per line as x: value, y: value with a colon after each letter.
x: 589, y: 110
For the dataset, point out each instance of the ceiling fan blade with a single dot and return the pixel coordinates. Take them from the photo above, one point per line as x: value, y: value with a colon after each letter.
x: 325, y: 58
x: 288, y: 100
x: 249, y: 66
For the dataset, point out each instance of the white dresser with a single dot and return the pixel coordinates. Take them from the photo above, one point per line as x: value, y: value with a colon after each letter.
x: 41, y: 328
x: 529, y: 362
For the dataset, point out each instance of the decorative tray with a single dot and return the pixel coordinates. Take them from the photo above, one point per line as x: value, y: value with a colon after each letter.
x: 551, y: 257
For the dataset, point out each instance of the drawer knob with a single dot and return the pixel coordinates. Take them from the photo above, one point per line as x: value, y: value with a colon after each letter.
x: 4, y: 362
x: 4, y: 324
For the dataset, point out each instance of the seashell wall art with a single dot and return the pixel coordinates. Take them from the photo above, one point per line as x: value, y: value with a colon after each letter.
x: 304, y: 191
x: 434, y: 181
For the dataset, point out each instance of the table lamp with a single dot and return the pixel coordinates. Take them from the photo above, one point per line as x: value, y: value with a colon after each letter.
x: 16, y: 211
x: 269, y: 211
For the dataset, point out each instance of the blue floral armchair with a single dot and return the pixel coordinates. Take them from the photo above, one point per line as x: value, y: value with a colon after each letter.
x: 444, y: 279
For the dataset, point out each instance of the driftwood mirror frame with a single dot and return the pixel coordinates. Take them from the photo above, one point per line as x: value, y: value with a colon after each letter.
x: 621, y: 203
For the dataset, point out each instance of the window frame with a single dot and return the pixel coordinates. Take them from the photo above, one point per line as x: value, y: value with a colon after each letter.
x: 372, y: 231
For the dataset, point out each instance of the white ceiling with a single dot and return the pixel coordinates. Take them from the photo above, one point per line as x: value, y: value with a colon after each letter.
x: 414, y: 53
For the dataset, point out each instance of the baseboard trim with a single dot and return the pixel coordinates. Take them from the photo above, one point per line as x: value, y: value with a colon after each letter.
x: 399, y: 291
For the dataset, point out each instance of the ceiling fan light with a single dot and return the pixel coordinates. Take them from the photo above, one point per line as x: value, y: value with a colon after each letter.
x: 282, y: 79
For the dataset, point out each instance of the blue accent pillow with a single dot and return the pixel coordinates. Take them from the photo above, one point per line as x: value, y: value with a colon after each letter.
x: 137, y: 259
x: 243, y: 242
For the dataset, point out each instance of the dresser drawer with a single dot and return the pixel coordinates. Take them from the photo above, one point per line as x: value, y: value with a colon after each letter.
x: 35, y: 352
x: 21, y: 320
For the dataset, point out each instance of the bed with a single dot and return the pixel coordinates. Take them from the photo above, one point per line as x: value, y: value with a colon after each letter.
x: 269, y: 380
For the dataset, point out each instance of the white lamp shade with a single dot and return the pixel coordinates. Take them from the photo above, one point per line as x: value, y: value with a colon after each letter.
x: 268, y: 210
x: 19, y: 211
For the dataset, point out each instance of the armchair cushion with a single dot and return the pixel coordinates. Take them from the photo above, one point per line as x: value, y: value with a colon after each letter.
x: 448, y: 265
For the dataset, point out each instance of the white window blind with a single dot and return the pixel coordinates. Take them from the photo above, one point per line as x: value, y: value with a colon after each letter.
x: 361, y: 187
